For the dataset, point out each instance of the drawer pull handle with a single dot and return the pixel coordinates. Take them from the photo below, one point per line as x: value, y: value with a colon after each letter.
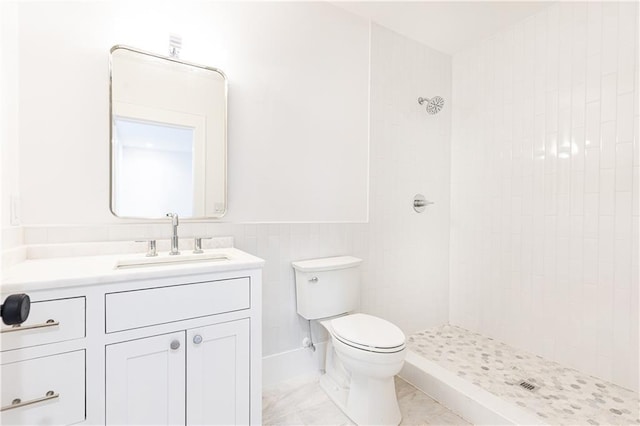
x: 17, y: 403
x: 18, y: 327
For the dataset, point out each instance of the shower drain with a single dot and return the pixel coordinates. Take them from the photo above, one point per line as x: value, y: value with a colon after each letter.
x: 528, y: 386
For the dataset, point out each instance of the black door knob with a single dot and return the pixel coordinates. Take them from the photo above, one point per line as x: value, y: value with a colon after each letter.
x: 15, y: 309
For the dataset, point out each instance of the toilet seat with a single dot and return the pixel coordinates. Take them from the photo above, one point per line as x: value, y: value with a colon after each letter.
x: 369, y: 333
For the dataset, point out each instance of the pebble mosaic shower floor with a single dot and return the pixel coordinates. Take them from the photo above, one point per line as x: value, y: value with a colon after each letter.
x: 561, y: 396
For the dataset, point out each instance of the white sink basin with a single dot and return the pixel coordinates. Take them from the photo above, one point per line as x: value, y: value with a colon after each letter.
x: 166, y: 260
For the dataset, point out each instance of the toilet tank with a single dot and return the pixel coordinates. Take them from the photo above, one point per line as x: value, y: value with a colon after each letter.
x: 327, y: 287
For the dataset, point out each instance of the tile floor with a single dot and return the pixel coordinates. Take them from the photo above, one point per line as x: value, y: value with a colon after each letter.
x: 301, y: 401
x: 562, y: 395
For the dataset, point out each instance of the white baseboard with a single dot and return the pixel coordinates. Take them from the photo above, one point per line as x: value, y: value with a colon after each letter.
x: 471, y: 402
x: 287, y: 365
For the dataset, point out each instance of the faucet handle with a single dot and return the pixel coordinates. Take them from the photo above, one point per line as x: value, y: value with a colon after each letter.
x: 151, y: 247
x: 197, y: 244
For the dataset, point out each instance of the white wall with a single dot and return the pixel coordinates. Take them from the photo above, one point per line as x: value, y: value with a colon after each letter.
x: 275, y: 81
x: 544, y: 236
x: 298, y: 117
x: 9, y: 105
x: 406, y: 276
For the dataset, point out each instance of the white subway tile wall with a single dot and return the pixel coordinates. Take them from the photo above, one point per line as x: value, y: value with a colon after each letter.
x: 406, y: 275
x: 544, y: 232
x: 279, y: 245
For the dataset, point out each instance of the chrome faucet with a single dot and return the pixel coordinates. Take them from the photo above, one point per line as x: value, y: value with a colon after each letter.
x: 174, y: 236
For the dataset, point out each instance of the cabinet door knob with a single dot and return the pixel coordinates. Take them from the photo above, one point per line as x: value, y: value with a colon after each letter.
x: 197, y: 339
x: 175, y: 344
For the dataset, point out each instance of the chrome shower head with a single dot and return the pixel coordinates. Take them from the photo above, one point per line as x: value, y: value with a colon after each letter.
x: 434, y: 105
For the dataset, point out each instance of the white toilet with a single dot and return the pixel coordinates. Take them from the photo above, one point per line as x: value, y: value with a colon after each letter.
x: 364, y: 352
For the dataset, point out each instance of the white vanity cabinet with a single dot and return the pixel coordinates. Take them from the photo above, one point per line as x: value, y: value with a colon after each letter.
x: 156, y: 345
x: 213, y: 358
x: 201, y: 373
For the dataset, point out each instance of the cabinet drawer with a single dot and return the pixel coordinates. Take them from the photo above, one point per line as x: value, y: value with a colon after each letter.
x: 142, y: 308
x: 51, y: 390
x: 52, y: 321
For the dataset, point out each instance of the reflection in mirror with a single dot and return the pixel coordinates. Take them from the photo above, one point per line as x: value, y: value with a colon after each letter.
x: 168, y: 137
x: 165, y: 153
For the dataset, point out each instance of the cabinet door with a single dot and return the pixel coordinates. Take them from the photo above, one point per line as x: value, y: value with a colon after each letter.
x: 145, y: 381
x: 218, y: 374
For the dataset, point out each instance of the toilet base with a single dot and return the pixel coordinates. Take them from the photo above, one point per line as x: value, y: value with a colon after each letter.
x: 354, y: 401
x: 365, y: 400
x: 373, y: 402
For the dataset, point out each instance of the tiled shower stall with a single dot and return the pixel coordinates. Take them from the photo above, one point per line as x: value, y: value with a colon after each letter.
x: 545, y: 195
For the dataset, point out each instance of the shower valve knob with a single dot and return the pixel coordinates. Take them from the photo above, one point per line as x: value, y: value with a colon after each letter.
x: 420, y: 203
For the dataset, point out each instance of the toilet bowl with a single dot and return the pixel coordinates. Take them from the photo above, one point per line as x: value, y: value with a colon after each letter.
x: 364, y: 355
x: 364, y: 352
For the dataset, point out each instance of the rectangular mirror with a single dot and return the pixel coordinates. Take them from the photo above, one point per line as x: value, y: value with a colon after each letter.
x: 168, y: 137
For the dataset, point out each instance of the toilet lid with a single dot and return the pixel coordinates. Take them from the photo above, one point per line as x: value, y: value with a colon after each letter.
x: 367, y: 332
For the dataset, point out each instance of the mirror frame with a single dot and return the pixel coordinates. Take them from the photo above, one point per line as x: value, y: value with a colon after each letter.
x: 111, y: 153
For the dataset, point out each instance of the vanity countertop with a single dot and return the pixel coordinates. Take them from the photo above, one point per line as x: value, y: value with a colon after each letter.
x: 62, y: 272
